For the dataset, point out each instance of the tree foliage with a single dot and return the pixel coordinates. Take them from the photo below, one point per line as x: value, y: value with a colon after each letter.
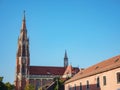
x: 59, y: 84
x: 5, y: 86
x: 29, y: 87
x: 1, y: 79
x: 9, y: 86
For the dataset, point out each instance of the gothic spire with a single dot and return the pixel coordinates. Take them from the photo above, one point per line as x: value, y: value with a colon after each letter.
x: 23, y: 35
x: 65, y: 59
x: 23, y: 22
x: 23, y: 40
x: 22, y: 57
x: 65, y: 54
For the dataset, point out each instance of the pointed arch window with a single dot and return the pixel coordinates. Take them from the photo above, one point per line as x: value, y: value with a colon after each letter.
x: 80, y: 86
x: 23, y: 51
x: 23, y: 68
x: 98, y: 82
x: 75, y: 87
x: 87, y: 86
x: 69, y: 87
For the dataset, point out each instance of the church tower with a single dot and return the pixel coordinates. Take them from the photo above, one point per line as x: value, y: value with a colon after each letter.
x: 65, y: 59
x: 22, y: 58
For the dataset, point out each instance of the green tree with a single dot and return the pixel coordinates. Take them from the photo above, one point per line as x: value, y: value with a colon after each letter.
x: 9, y: 86
x: 2, y: 85
x: 40, y: 88
x: 29, y: 87
x: 1, y: 79
x: 59, y: 84
x: 5, y: 86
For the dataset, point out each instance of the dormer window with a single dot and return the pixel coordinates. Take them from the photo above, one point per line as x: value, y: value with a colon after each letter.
x: 96, y: 67
x: 116, y: 60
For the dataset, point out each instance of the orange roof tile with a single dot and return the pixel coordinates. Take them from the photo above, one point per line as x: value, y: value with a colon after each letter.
x: 104, y: 66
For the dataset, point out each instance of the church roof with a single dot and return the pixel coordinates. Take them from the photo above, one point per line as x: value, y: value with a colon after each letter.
x: 46, y: 70
x: 104, y: 66
x: 50, y: 70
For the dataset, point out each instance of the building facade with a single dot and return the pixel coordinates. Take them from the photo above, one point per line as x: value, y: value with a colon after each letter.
x: 102, y: 76
x: 38, y: 76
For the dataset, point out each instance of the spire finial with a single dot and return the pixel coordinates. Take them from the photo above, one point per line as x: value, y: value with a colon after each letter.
x: 24, y: 15
x: 24, y: 21
x: 65, y: 54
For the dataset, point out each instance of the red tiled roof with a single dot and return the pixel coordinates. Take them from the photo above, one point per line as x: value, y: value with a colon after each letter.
x: 104, y: 66
x: 46, y: 70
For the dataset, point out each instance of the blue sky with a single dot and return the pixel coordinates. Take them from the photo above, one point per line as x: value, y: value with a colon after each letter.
x: 88, y: 29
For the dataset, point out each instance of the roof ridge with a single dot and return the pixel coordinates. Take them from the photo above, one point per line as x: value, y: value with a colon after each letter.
x: 48, y: 66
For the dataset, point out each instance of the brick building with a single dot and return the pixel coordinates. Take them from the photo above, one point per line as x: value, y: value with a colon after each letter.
x: 38, y: 76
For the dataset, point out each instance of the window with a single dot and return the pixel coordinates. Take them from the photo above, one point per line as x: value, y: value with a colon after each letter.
x: 98, y: 82
x: 118, y: 77
x: 37, y: 84
x: 23, y: 51
x: 31, y: 81
x: 75, y: 87
x: 87, y: 87
x: 23, y: 68
x: 104, y: 80
x: 80, y: 86
x: 69, y: 87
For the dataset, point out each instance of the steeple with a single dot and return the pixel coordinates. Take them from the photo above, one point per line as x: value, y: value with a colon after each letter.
x: 65, y: 54
x: 22, y: 57
x: 23, y: 22
x: 65, y: 59
x: 23, y: 40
